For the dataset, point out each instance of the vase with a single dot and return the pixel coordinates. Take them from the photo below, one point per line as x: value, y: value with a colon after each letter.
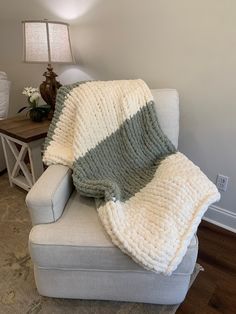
x: 36, y: 115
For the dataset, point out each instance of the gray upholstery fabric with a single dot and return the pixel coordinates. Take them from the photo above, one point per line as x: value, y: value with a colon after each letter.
x: 128, y: 286
x: 74, y: 258
x: 47, y: 198
x: 78, y: 241
x: 167, y: 108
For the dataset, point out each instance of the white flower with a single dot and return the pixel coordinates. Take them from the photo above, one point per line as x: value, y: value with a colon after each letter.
x: 29, y: 91
x: 34, y: 96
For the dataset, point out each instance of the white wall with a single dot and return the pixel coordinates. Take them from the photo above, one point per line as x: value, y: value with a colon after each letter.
x: 186, y: 44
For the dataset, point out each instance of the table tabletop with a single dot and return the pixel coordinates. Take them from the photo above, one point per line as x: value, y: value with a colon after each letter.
x: 23, y: 129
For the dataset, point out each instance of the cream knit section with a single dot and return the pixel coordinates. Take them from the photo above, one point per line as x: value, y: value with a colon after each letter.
x: 92, y: 112
x: 156, y: 225
x: 60, y: 149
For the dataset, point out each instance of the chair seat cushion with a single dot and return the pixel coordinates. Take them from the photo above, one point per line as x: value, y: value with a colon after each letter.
x: 78, y: 241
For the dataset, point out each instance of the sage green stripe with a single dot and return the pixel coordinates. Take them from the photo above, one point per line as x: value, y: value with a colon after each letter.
x: 123, y: 163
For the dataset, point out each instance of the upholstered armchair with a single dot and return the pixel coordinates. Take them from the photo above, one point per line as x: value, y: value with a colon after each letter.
x: 72, y: 254
x: 4, y: 107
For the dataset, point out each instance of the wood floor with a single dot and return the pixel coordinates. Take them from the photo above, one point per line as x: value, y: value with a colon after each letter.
x: 214, y: 290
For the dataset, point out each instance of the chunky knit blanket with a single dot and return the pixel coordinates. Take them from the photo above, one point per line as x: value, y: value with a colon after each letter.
x: 150, y: 197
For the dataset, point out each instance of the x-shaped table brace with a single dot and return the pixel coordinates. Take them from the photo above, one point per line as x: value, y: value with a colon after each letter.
x: 18, y: 172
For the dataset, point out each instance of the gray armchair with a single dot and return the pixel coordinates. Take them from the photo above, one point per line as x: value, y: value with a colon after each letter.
x: 4, y: 107
x: 72, y: 254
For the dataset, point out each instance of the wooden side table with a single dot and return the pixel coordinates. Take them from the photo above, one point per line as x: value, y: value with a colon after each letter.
x: 21, y: 136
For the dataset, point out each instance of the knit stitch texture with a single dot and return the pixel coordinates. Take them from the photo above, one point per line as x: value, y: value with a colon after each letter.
x: 150, y: 198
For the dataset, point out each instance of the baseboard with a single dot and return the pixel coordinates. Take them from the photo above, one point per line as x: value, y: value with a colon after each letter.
x: 221, y: 217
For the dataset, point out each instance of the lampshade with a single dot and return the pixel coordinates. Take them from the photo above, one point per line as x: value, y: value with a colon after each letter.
x: 46, y: 42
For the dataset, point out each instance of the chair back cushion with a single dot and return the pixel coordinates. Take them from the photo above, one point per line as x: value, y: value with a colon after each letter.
x: 167, y: 107
x: 4, y: 95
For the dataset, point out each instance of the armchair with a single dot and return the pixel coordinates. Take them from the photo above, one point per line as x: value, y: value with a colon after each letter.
x: 72, y: 254
x: 4, y: 106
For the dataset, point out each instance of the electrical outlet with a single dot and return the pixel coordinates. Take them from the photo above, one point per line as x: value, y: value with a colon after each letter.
x: 222, y: 182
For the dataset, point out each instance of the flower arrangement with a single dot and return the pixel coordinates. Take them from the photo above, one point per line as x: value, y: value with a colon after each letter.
x: 36, y: 112
x: 32, y: 94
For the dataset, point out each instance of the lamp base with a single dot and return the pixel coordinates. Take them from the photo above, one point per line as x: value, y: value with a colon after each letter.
x: 48, y: 88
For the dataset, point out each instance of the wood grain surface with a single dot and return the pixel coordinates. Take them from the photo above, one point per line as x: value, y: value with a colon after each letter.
x: 214, y: 290
x: 23, y: 129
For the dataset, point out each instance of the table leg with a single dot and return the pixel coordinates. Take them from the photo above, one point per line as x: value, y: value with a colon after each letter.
x: 35, y: 156
x: 9, y: 158
x: 18, y: 172
x: 15, y: 160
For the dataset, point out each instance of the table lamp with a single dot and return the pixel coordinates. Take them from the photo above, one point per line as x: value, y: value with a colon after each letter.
x: 47, y: 42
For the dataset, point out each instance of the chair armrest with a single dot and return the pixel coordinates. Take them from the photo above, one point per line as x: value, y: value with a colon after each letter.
x: 47, y: 198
